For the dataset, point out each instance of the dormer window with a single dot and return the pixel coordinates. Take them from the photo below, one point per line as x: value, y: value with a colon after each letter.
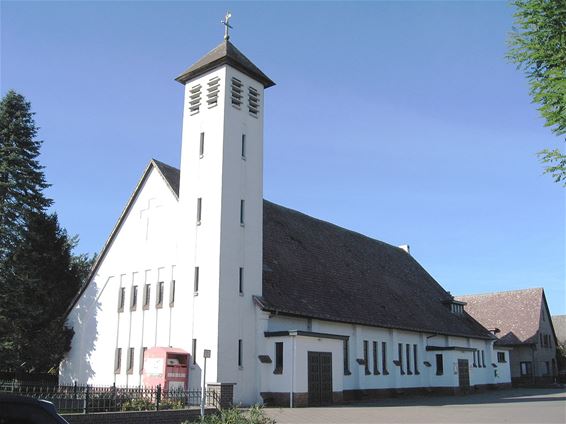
x: 456, y: 307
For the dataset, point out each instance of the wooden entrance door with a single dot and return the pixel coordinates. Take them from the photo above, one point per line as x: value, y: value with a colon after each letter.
x: 320, y: 378
x: 463, y: 374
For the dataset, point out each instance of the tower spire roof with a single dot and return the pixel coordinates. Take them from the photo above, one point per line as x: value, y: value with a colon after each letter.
x: 225, y: 54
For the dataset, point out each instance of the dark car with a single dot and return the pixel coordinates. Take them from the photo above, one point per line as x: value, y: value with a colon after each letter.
x: 26, y: 410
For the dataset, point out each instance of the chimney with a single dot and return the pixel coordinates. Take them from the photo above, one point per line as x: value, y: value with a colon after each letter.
x: 406, y: 248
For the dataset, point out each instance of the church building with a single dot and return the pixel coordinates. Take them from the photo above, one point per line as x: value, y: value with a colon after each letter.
x: 294, y: 310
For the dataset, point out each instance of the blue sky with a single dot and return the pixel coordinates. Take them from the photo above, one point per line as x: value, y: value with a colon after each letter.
x: 400, y: 120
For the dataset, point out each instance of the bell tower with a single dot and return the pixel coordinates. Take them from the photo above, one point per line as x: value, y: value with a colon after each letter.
x: 221, y: 215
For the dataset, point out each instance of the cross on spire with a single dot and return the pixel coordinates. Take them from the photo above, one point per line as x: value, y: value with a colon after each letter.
x: 227, y: 26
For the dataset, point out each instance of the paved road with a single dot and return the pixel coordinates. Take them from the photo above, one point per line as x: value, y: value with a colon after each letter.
x: 502, y: 406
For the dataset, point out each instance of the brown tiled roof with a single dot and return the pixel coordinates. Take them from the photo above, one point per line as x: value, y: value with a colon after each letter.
x: 515, y: 313
x: 225, y: 53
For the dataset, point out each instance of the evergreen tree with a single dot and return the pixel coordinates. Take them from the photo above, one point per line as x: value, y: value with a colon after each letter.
x: 41, y: 277
x: 21, y: 176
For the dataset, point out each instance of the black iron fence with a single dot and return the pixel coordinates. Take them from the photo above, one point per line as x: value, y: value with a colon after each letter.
x: 91, y: 398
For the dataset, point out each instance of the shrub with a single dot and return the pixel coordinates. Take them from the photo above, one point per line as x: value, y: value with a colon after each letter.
x: 139, y: 404
x: 254, y: 415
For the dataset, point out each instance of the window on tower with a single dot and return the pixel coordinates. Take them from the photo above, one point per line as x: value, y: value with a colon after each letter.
x: 196, y: 280
x: 243, y: 146
x: 199, y: 210
x: 121, y: 299
x: 172, y: 293
x: 194, y: 99
x: 212, y: 92
x: 240, y: 353
x: 242, y: 211
x: 194, y: 352
x: 241, y: 281
x: 253, y: 101
x: 134, y: 300
x: 201, y: 145
x: 237, y: 90
x: 146, y: 296
x: 159, y: 297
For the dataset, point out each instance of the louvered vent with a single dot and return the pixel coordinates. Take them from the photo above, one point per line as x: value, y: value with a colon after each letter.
x: 237, y: 90
x: 253, y: 101
x: 212, y: 92
x: 194, y: 99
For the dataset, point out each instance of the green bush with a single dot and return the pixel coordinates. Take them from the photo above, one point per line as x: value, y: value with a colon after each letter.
x: 254, y: 415
x: 138, y: 405
x: 172, y: 404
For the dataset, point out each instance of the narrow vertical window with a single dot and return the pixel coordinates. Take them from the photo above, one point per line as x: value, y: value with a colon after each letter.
x: 278, y: 358
x: 375, y: 363
x: 483, y: 358
x: 130, y: 363
x: 474, y: 364
x: 199, y: 210
x: 384, y: 358
x: 159, y: 295
x: 194, y: 352
x: 134, y: 299
x: 400, y: 357
x: 241, y: 281
x: 146, y: 296
x: 439, y: 364
x: 142, y: 358
x: 416, y: 359
x: 121, y: 299
x: 408, y: 355
x: 240, y: 353
x: 243, y: 146
x: 172, y: 293
x: 242, y: 211
x: 366, y: 357
x: 201, y: 145
x: 118, y: 360
x: 346, y: 358
x: 196, y: 281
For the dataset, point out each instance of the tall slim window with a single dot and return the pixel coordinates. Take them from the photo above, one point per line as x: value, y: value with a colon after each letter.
x: 142, y: 358
x: 201, y: 145
x: 241, y: 281
x: 375, y: 364
x: 196, y: 280
x: 366, y: 357
x: 243, y: 146
x: 118, y: 360
x: 415, y: 359
x: 146, y: 296
x: 400, y: 357
x: 242, y: 211
x: 121, y: 299
x: 240, y: 353
x: 130, y: 363
x: 194, y: 351
x: 172, y: 293
x: 526, y: 368
x: 384, y: 358
x: 482, y: 358
x: 408, y: 354
x: 134, y: 299
x: 439, y: 364
x: 346, y: 357
x: 159, y: 297
x: 199, y: 210
x: 474, y: 364
x: 278, y: 358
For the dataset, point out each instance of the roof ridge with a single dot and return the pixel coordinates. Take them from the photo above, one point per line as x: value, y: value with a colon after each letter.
x: 500, y: 292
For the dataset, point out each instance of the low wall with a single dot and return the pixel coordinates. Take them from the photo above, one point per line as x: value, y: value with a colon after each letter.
x: 174, y: 416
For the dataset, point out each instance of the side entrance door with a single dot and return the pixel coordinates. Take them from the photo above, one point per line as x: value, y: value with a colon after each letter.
x: 463, y: 374
x: 320, y: 378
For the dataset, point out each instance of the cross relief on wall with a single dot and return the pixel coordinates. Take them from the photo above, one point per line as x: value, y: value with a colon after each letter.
x: 150, y: 218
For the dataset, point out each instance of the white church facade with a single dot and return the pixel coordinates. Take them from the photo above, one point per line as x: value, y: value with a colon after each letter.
x: 293, y: 309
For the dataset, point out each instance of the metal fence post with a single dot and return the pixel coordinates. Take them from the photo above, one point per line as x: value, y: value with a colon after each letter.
x: 75, y: 389
x: 86, y: 399
x: 158, y: 397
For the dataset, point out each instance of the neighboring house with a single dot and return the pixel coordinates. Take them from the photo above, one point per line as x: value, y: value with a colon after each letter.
x: 292, y: 308
x: 521, y: 320
x: 559, y: 323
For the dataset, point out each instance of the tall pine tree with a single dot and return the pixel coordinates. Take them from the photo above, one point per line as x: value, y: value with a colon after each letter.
x: 21, y: 176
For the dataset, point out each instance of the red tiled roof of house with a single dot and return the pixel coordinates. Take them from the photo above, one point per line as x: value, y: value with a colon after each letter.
x: 515, y: 313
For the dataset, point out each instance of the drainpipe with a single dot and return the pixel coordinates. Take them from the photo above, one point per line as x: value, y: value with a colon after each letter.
x: 293, y: 335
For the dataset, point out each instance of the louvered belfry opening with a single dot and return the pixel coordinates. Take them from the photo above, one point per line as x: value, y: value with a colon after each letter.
x: 194, y: 99
x: 237, y: 92
x: 212, y: 91
x: 253, y: 101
